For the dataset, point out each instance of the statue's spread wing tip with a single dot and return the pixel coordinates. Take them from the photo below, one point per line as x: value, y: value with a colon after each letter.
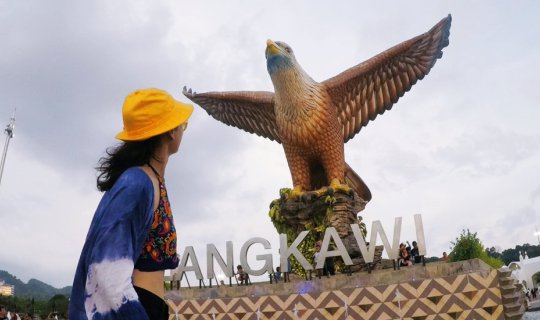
x: 188, y: 92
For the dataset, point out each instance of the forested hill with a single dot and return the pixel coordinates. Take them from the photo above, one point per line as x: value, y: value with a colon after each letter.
x: 34, y: 288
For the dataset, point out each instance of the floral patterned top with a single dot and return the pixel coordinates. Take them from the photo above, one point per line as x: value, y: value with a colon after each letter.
x: 159, y: 250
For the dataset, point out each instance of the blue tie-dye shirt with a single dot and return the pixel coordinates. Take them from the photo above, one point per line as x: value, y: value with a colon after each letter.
x: 103, y: 288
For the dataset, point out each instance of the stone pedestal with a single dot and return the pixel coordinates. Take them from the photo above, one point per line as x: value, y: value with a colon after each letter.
x: 458, y: 290
x: 316, y: 212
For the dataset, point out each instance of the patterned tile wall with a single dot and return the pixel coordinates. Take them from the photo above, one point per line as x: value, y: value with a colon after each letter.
x: 474, y: 295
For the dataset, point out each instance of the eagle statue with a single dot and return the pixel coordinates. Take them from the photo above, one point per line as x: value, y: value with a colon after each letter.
x: 313, y: 120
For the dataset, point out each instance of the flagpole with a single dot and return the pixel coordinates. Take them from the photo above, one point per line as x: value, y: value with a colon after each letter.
x: 10, y: 128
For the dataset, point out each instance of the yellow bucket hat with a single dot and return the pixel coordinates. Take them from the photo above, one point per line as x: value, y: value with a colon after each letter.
x: 150, y: 112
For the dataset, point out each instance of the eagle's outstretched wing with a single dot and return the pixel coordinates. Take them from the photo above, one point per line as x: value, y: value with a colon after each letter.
x: 251, y: 111
x: 372, y: 87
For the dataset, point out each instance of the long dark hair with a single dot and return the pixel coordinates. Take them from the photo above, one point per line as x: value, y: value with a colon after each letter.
x: 123, y: 156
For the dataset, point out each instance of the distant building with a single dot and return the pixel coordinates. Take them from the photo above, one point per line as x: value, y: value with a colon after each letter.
x: 6, y: 289
x: 524, y: 269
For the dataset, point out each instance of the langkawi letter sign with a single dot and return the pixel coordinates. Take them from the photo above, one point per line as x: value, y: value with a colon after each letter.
x: 227, y: 266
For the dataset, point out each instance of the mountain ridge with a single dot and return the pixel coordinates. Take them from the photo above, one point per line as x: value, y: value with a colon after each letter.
x: 33, y: 288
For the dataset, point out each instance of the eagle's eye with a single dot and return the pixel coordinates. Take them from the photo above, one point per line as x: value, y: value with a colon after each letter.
x: 288, y: 49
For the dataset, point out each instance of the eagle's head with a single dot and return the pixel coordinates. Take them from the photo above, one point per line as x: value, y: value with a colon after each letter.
x: 279, y: 56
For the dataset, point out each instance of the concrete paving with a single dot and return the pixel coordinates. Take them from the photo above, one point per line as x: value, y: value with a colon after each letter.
x: 534, y: 305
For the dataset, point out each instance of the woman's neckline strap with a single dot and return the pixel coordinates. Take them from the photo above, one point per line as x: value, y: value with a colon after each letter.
x: 153, y: 169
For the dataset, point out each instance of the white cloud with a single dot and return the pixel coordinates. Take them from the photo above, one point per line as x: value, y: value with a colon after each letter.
x: 460, y: 147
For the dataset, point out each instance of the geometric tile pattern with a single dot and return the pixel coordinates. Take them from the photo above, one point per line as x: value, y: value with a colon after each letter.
x: 474, y: 295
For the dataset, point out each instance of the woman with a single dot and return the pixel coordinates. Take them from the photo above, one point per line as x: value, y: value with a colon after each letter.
x: 132, y: 239
x: 404, y: 256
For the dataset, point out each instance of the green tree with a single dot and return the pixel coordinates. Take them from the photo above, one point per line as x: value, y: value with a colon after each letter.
x: 59, y: 304
x: 493, y: 252
x: 468, y: 246
x: 24, y: 305
x: 536, y: 278
x: 510, y: 255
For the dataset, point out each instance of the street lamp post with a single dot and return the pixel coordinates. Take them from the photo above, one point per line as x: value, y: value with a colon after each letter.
x: 10, y: 128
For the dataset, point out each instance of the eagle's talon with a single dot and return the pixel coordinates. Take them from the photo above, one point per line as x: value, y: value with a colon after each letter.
x: 338, y: 186
x: 330, y: 191
x: 295, y: 194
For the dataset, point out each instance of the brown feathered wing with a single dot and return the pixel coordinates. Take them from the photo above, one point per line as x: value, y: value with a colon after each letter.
x: 251, y: 111
x: 373, y: 86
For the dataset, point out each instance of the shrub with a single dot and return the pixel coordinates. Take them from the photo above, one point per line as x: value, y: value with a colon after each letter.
x: 468, y: 246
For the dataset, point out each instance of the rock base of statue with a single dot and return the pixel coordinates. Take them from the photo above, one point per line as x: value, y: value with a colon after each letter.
x: 315, y: 212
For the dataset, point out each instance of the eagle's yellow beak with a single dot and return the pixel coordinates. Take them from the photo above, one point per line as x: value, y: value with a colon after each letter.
x: 271, y: 48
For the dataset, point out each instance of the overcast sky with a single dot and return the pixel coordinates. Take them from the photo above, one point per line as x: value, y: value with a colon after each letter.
x: 461, y: 148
